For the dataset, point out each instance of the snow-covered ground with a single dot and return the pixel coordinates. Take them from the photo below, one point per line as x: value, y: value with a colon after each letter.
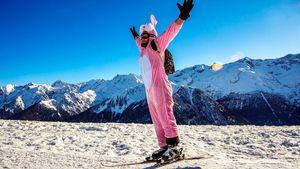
x: 27, y: 144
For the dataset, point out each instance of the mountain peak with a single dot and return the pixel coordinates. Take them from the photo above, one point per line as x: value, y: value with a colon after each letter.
x: 245, y: 59
x: 292, y: 57
x: 127, y: 78
x: 8, y: 89
x: 59, y: 83
x: 30, y: 85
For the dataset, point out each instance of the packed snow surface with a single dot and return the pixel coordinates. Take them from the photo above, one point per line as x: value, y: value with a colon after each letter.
x: 29, y: 144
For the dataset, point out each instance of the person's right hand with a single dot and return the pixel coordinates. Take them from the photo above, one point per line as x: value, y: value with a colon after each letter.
x: 134, y: 33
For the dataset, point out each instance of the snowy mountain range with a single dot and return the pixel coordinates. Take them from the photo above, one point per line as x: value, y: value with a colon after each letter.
x: 247, y: 91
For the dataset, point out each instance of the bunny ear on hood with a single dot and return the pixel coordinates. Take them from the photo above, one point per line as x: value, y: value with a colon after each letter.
x: 153, y: 20
x: 150, y: 27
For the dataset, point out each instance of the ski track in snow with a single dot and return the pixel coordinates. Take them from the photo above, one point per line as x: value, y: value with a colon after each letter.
x: 29, y: 144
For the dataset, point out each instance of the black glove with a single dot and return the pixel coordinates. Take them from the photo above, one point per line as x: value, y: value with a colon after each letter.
x: 134, y: 33
x: 185, y: 9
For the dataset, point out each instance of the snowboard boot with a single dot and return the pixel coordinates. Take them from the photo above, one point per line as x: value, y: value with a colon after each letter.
x: 156, y: 155
x: 174, y: 152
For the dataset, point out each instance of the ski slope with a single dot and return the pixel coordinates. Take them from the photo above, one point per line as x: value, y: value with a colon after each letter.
x: 31, y: 144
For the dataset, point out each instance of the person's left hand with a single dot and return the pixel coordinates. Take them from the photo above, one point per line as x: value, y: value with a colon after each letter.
x: 185, y: 9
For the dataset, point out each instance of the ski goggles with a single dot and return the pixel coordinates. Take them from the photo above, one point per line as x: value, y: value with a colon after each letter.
x: 147, y: 35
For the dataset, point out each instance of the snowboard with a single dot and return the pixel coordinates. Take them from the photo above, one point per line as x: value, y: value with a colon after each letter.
x: 178, y: 159
x: 158, y: 163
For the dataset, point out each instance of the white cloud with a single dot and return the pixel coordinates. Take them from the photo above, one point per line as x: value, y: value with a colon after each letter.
x: 237, y: 56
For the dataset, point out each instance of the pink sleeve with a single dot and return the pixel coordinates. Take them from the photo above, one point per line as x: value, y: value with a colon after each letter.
x: 165, y: 38
x: 138, y: 43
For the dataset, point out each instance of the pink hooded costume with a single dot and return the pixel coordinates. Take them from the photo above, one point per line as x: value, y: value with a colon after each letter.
x: 158, y: 88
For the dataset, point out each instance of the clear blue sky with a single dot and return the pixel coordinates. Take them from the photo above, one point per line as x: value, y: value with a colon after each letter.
x: 74, y: 41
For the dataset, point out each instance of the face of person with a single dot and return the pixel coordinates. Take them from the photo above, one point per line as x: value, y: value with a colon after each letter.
x: 145, y: 39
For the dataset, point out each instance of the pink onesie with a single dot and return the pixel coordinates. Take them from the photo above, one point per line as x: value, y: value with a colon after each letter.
x: 158, y: 88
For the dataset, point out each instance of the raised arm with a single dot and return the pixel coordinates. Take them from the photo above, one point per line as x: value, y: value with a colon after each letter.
x: 165, y: 38
x: 136, y: 37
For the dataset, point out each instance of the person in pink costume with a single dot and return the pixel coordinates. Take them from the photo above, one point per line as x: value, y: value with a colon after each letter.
x: 158, y: 88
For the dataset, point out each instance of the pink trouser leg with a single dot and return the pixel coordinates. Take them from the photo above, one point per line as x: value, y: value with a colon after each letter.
x: 163, y: 95
x: 160, y: 104
x: 160, y: 134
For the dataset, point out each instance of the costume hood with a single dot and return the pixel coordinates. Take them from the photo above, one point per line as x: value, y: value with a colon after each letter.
x: 149, y: 27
